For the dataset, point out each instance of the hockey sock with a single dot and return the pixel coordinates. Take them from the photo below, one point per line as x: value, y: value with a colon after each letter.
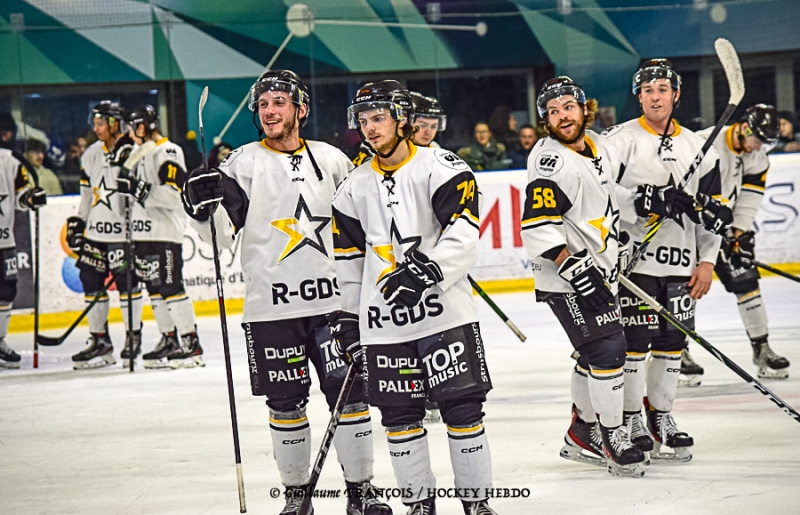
x: 291, y: 445
x: 182, y: 311
x: 471, y: 459
x: 137, y: 308
x: 98, y: 315
x: 580, y: 395
x: 411, y: 461
x: 5, y: 318
x: 662, y: 379
x: 161, y: 314
x: 606, y: 392
x: 353, y: 442
x: 635, y: 381
x: 753, y: 313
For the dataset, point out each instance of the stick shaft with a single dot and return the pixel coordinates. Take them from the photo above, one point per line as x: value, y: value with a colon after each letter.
x: 496, y: 308
x: 776, y: 271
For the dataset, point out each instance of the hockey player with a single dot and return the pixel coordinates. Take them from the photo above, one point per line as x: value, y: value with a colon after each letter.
x: 743, y: 167
x: 15, y: 194
x: 98, y: 234
x: 570, y: 228
x: 405, y: 233
x: 429, y: 120
x: 656, y: 152
x: 276, y: 194
x: 158, y: 225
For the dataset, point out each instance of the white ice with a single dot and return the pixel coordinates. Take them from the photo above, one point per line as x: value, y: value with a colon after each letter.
x: 159, y: 442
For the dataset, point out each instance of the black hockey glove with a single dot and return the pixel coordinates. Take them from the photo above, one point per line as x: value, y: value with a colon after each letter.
x: 75, y: 227
x: 122, y: 149
x: 740, y: 251
x: 587, y: 280
x: 406, y: 285
x: 716, y: 218
x: 129, y: 185
x: 624, y: 252
x: 202, y: 193
x: 664, y: 201
x: 345, y: 332
x: 33, y: 198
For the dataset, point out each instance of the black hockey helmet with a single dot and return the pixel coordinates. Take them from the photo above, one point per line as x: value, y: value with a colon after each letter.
x: 144, y: 115
x: 385, y: 94
x: 428, y: 107
x: 654, y: 69
x: 763, y: 122
x: 282, y: 80
x: 108, y: 110
x: 558, y: 87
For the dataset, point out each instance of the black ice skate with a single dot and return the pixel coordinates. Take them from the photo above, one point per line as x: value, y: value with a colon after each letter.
x: 583, y: 442
x: 125, y: 355
x: 189, y: 355
x: 8, y: 358
x: 157, y: 358
x: 665, y: 432
x: 99, y: 353
x: 691, y: 373
x: 477, y: 508
x: 638, y: 432
x: 426, y: 507
x: 432, y: 412
x: 364, y: 499
x: 624, y: 458
x: 294, y: 498
x: 770, y: 365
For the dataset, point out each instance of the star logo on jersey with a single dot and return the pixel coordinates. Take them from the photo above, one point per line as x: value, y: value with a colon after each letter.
x: 607, y: 225
x: 387, y: 252
x: 102, y: 194
x: 303, y: 230
x: 2, y: 198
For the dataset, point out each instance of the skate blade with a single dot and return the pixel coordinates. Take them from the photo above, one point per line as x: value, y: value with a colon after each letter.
x: 770, y: 373
x: 678, y: 455
x: 195, y: 361
x: 632, y: 470
x: 9, y: 365
x: 689, y: 380
x: 156, y: 364
x: 103, y: 361
x: 574, y: 453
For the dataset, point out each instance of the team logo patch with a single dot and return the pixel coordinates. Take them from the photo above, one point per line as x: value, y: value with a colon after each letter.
x: 450, y: 160
x: 612, y: 130
x: 549, y: 163
x: 231, y: 156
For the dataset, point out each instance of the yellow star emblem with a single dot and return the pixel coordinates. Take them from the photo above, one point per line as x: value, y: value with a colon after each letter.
x: 303, y: 229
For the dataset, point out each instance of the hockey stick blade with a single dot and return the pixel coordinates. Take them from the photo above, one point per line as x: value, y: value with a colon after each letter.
x: 733, y: 69
x: 203, y: 100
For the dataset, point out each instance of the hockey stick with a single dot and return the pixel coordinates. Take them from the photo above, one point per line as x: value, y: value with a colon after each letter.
x: 669, y: 317
x: 496, y: 309
x: 47, y: 341
x: 733, y: 71
x: 775, y: 271
x: 327, y: 439
x: 223, y: 319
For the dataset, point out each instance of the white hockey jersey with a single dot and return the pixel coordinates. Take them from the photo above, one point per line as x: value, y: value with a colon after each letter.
x: 162, y: 217
x: 675, y: 249
x: 101, y: 206
x: 570, y: 200
x: 13, y: 183
x: 744, y: 176
x: 281, y: 210
x: 428, y: 202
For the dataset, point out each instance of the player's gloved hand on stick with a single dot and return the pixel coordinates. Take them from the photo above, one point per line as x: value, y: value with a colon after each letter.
x: 716, y: 218
x: 741, y: 250
x: 664, y: 201
x: 587, y: 280
x: 345, y: 332
x: 33, y: 198
x: 129, y: 185
x: 624, y: 252
x: 202, y: 193
x: 406, y: 285
x: 75, y: 227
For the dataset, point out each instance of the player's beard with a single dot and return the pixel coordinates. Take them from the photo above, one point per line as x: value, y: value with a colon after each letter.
x: 559, y: 136
x: 289, y: 125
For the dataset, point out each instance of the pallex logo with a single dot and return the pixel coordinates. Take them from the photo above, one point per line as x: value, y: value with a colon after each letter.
x: 69, y: 271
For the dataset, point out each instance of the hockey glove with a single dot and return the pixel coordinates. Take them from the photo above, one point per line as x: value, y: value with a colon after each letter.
x: 664, y: 201
x: 624, y: 241
x: 406, y: 285
x: 345, y: 332
x: 75, y: 227
x: 130, y: 185
x: 587, y: 280
x: 716, y: 218
x: 33, y: 198
x: 202, y: 193
x: 742, y: 249
x: 122, y: 149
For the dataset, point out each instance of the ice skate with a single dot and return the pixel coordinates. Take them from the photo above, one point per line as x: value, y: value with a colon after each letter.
x: 583, y: 442
x: 8, y: 358
x: 426, y: 507
x: 364, y: 499
x: 99, y: 353
x: 477, y: 508
x: 432, y: 412
x: 623, y: 458
x: 157, y: 358
x: 294, y: 498
x: 137, y: 346
x: 770, y: 365
x: 638, y: 432
x: 189, y: 355
x: 665, y: 432
x: 691, y: 373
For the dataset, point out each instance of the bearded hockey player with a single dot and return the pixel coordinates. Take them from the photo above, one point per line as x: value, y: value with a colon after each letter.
x: 570, y: 228
x: 276, y: 194
x: 15, y: 194
x: 158, y: 225
x: 743, y: 166
x: 405, y: 233
x: 656, y: 152
x: 97, y: 234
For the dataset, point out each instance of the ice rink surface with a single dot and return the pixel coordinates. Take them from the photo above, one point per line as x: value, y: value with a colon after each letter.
x: 159, y: 442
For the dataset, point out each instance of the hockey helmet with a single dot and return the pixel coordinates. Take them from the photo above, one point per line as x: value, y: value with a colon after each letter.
x: 282, y: 80
x: 144, y: 115
x: 428, y: 107
x: 654, y: 69
x: 558, y: 87
x: 385, y: 94
x: 763, y: 122
x: 109, y: 111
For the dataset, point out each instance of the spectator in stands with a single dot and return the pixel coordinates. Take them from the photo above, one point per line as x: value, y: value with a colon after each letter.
x: 484, y: 153
x: 522, y: 147
x: 788, y: 141
x: 218, y: 154
x: 48, y: 181
x: 8, y: 131
x: 503, y: 126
